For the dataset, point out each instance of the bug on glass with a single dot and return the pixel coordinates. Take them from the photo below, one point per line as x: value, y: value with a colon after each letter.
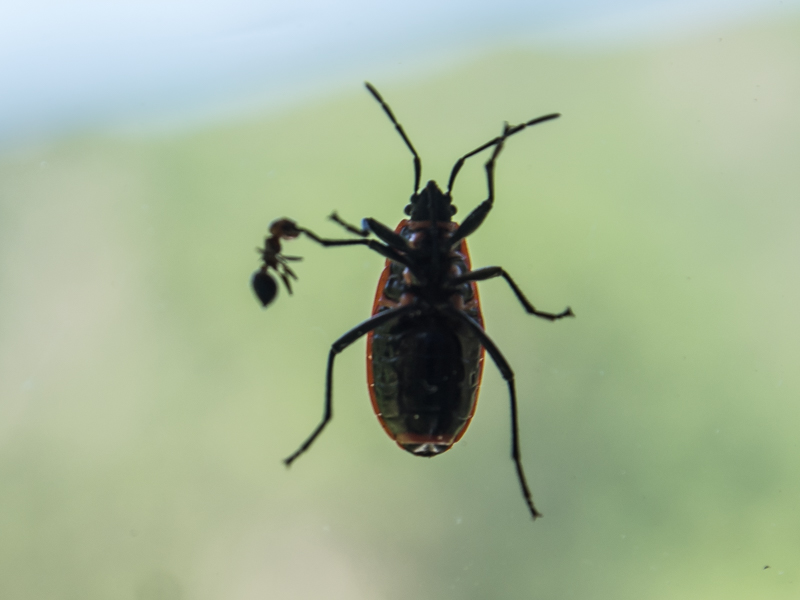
x: 426, y: 337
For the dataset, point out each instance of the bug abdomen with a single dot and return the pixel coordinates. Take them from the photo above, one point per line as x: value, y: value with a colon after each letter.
x: 425, y: 372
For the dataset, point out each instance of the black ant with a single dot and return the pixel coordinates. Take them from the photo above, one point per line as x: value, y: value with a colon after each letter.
x: 264, y: 285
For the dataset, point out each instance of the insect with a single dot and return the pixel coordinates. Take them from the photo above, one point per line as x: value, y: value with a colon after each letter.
x: 264, y: 285
x: 426, y: 337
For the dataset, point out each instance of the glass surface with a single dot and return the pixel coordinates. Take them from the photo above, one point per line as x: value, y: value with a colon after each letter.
x: 147, y: 399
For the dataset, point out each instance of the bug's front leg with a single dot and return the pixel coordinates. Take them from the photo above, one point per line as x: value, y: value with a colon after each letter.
x: 382, y: 249
x: 477, y: 216
x: 363, y: 231
x: 368, y: 225
x: 490, y: 272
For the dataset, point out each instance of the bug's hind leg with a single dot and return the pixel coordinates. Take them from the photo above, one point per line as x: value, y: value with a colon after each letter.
x: 337, y: 346
x: 508, y: 375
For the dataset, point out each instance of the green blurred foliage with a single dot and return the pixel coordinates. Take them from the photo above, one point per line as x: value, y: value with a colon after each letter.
x: 147, y: 400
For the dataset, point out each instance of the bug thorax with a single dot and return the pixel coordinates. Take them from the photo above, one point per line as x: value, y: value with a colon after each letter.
x: 430, y: 204
x: 432, y: 259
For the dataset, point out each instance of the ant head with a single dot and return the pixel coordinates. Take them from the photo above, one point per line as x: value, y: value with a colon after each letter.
x: 284, y: 228
x: 430, y: 204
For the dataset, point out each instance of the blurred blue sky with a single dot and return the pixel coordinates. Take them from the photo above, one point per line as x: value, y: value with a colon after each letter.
x: 66, y: 66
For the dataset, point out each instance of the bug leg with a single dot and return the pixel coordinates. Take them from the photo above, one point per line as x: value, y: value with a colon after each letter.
x: 399, y: 128
x: 490, y: 272
x: 337, y: 346
x: 381, y: 249
x: 368, y: 225
x: 387, y: 235
x: 476, y: 217
x: 363, y: 232
x: 508, y: 375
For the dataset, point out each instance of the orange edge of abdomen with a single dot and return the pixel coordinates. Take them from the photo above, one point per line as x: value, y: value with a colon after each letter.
x: 464, y: 251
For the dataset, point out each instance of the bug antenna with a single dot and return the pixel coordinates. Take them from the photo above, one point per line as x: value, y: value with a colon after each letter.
x: 388, y: 111
x: 508, y: 133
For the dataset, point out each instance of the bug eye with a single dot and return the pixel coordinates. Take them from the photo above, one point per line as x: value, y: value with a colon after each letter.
x: 407, y: 209
x: 265, y: 287
x: 453, y: 209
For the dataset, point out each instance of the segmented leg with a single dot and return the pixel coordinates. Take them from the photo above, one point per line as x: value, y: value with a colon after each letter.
x: 363, y: 231
x: 381, y: 249
x: 337, y: 346
x: 477, y: 216
x: 490, y: 272
x: 368, y: 225
x: 508, y: 375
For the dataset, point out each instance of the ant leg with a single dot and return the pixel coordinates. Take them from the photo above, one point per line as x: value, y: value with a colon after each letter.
x: 337, y: 346
x: 287, y: 270
x: 388, y: 111
x: 508, y: 375
x: 286, y: 281
x: 490, y: 272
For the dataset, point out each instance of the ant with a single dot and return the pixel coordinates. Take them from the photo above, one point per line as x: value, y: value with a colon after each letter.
x: 264, y: 285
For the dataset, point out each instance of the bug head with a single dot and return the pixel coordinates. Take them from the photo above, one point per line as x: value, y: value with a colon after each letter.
x: 430, y: 204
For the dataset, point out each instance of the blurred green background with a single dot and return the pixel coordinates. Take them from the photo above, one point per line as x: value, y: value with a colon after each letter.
x: 147, y: 399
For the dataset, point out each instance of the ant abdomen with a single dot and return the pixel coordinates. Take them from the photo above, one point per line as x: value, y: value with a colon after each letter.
x: 265, y: 287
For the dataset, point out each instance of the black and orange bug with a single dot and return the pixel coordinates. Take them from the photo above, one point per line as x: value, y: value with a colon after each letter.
x: 426, y: 337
